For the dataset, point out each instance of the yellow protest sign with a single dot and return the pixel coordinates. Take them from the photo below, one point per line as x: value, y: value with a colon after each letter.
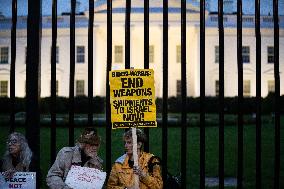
x: 132, y: 98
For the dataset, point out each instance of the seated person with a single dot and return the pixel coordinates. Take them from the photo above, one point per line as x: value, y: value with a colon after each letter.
x: 122, y: 173
x: 83, y: 154
x: 18, y: 157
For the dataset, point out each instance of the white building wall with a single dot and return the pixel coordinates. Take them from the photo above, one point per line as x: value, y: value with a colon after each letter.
x: 137, y: 56
x: 100, y: 60
x: 230, y: 61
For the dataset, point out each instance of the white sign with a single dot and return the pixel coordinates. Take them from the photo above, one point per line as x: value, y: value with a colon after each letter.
x: 23, y: 180
x: 85, y: 178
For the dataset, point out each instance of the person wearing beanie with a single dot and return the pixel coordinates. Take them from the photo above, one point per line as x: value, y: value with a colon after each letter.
x: 148, y: 169
x: 84, y: 154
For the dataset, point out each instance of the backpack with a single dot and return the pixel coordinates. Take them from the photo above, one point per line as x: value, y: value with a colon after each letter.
x: 171, y: 181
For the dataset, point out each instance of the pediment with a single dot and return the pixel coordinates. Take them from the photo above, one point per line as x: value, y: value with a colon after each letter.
x: 58, y: 71
x: 215, y: 71
x: 4, y: 71
x: 248, y: 71
x: 23, y: 72
x: 269, y: 71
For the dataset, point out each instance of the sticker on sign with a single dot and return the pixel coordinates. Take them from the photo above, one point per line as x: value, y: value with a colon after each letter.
x: 23, y: 180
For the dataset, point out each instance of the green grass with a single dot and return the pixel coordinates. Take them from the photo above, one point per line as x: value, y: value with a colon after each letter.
x: 174, y: 151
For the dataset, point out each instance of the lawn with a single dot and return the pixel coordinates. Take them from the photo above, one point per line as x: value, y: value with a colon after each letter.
x: 192, y: 153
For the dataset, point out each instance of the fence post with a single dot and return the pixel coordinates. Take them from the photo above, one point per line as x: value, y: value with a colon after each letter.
x: 33, y: 76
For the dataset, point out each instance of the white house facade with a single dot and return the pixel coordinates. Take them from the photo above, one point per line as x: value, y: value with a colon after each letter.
x: 137, y: 50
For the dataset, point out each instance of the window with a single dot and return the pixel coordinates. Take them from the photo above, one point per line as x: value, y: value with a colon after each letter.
x: 80, y: 54
x: 3, y: 88
x: 118, y: 53
x: 217, y: 87
x: 178, y: 87
x: 271, y: 86
x: 80, y: 88
x: 26, y: 54
x: 216, y: 54
x: 267, y: 19
x: 4, y: 55
x: 245, y: 54
x: 151, y: 54
x: 246, y: 88
x: 270, y: 55
x: 214, y: 19
x: 57, y: 87
x: 57, y: 54
x: 178, y: 53
x: 247, y: 19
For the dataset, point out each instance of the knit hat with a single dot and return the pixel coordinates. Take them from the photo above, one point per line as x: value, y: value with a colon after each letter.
x: 89, y: 136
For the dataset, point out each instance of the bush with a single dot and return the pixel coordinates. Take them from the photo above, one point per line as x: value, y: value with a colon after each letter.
x: 211, y: 105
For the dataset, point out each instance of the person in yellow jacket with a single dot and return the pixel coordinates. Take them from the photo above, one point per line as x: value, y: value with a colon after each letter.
x: 122, y: 173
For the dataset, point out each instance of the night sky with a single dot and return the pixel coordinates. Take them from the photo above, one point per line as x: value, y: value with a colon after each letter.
x: 64, y: 6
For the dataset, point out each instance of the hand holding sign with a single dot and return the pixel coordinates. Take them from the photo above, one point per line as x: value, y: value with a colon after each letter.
x: 85, y: 178
x: 132, y: 99
x: 9, y: 173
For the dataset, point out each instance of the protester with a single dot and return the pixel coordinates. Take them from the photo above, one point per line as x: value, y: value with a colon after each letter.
x: 122, y: 173
x: 83, y: 154
x: 18, y: 157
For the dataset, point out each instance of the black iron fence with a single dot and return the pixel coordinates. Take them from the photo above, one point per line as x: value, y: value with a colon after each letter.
x: 33, y: 82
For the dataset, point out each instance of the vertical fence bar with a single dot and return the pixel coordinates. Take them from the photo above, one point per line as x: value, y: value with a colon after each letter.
x: 221, y: 93
x: 90, y: 63
x: 109, y: 62
x: 202, y: 94
x: 165, y: 91
x: 72, y: 73
x: 146, y: 56
x: 13, y: 62
x: 53, y: 82
x: 183, y: 95
x: 146, y: 34
x: 277, y: 95
x: 258, y: 94
x: 240, y: 95
x: 33, y: 77
x: 127, y: 34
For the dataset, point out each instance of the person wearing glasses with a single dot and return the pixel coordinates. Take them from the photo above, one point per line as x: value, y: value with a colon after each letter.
x: 18, y: 156
x: 148, y: 169
x: 83, y: 154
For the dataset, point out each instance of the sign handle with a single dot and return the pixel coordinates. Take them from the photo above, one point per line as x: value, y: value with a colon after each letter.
x: 135, y: 156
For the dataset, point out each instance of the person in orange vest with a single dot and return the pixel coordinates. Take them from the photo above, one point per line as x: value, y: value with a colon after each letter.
x: 123, y: 171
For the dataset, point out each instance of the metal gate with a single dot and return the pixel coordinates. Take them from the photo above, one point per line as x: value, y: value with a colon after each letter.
x: 33, y: 82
